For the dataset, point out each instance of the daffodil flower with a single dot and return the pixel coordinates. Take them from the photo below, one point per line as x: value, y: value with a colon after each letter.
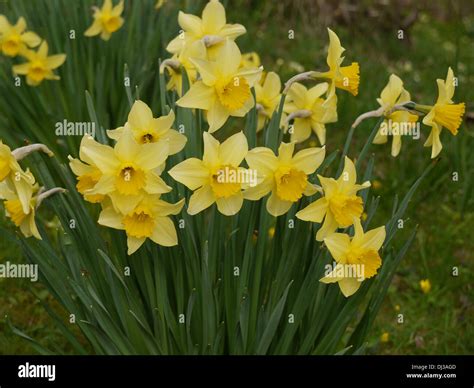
x: 149, y: 219
x: 359, y: 253
x: 250, y: 60
x: 341, y: 77
x: 339, y: 204
x: 14, y: 209
x: 310, y: 111
x: 284, y: 176
x: 12, y: 174
x: 40, y: 66
x: 392, y: 95
x: 128, y: 171
x: 267, y: 97
x: 212, y: 29
x: 107, y: 20
x: 217, y: 178
x: 147, y: 129
x: 14, y: 40
x: 224, y: 89
x: 180, y: 62
x: 87, y: 177
x: 444, y: 114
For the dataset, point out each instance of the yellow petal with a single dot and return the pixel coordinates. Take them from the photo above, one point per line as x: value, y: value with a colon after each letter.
x: 31, y: 39
x: 211, y: 150
x: 217, y: 115
x: 176, y: 141
x: 207, y: 70
x: 156, y: 185
x: 335, y: 50
x: 262, y: 159
x: 55, y: 61
x: 232, y: 31
x: 151, y: 155
x: 338, y: 245
x: 94, y: 29
x: 140, y: 116
x: 392, y: 91
x: 213, y: 17
x: 272, y: 85
x: 314, y: 212
x: 98, y: 154
x: 230, y: 58
x: 349, y: 286
x: 134, y: 244
x: 308, y: 160
x: 163, y: 209
x: 230, y: 205
x: 329, y: 226
x: 276, y: 207
x: 260, y: 190
x: 301, y: 130
x: 164, y: 232
x: 285, y: 152
x: 110, y: 218
x: 199, y: 96
x: 233, y: 150
x: 201, y: 199
x: 190, y: 23
x: 192, y: 173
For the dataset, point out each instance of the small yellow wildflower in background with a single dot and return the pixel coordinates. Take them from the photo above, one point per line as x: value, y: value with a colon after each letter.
x: 444, y: 114
x: 339, y: 205
x: 425, y: 285
x: 267, y: 97
x: 206, y: 176
x: 160, y: 3
x: 250, y: 60
x: 362, y: 250
x: 149, y: 219
x: 310, y: 111
x: 394, y: 94
x: 147, y: 129
x: 385, y: 337
x: 341, y: 77
x: 211, y: 28
x: 224, y: 88
x: 284, y: 176
x: 14, y: 39
x: 40, y: 66
x: 107, y: 20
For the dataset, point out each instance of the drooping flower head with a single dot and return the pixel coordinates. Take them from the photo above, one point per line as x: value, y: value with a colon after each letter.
x: 14, y: 39
x: 357, y: 258
x: 107, y: 20
x: 218, y: 177
x: 341, y: 77
x: 444, y: 114
x: 310, y: 111
x: 40, y: 66
x: 224, y: 88
x: 284, y: 176
x: 149, y: 219
x: 147, y: 129
x: 394, y: 94
x: 339, y: 205
x: 211, y: 28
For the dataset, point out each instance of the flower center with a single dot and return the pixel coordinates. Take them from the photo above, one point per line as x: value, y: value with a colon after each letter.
x: 290, y: 184
x: 111, y: 23
x: 225, y: 182
x: 15, y: 211
x: 234, y: 93
x: 147, y: 138
x: 449, y: 116
x: 11, y: 46
x: 37, y: 72
x: 350, y: 78
x: 369, y: 260
x: 130, y: 181
x: 345, y: 208
x: 139, y: 223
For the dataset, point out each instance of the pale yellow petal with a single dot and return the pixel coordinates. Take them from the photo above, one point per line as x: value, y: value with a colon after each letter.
x: 309, y: 159
x: 217, y: 116
x: 314, y: 212
x: 134, y: 244
x: 201, y: 199
x: 349, y: 286
x: 164, y: 232
x: 231, y: 205
x: 213, y: 17
x: 338, y: 245
x: 276, y: 207
x: 192, y: 173
x: 262, y: 159
x: 110, y: 218
x: 199, y: 96
x: 233, y: 150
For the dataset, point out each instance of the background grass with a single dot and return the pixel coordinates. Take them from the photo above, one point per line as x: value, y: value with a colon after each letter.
x: 435, y: 37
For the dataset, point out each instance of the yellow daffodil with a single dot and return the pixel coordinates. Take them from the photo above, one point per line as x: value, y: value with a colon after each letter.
x: 128, y: 171
x: 224, y: 88
x: 284, y: 176
x: 267, y: 97
x: 14, y: 209
x: 107, y: 20
x: 394, y: 94
x: 250, y: 60
x: 444, y: 114
x: 12, y: 174
x: 425, y: 285
x: 310, y: 111
x: 341, y: 77
x: 40, y: 66
x: 87, y: 177
x: 212, y: 29
x: 149, y: 219
x: 357, y: 258
x: 339, y: 204
x: 14, y: 40
x: 147, y: 129
x: 217, y: 178
x: 180, y: 62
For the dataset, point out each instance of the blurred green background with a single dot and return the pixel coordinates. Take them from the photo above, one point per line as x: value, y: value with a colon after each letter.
x: 436, y: 35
